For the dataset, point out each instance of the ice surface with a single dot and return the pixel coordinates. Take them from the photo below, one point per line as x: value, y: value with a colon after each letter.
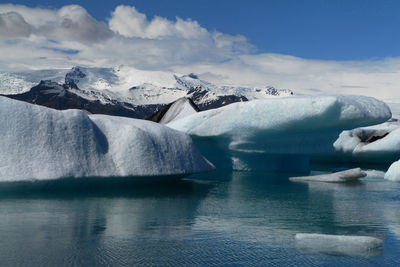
x: 336, y: 177
x: 395, y: 108
x: 337, y: 244
x: 374, y: 174
x: 39, y: 143
x: 393, y: 173
x: 179, y: 109
x: 378, y: 143
x: 250, y: 131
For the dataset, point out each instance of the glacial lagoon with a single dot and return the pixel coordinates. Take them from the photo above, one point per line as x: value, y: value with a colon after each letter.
x: 216, y: 218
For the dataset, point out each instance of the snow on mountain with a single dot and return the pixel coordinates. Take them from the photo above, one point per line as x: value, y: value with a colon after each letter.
x: 39, y: 143
x: 139, y: 87
x: 68, y: 96
x: 20, y: 82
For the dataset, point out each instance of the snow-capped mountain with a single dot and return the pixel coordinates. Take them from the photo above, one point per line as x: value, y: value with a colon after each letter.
x: 133, y: 91
x: 68, y: 96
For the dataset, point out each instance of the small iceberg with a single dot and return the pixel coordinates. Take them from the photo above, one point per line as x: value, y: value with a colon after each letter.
x: 376, y: 144
x: 346, y: 176
x: 338, y: 244
x: 393, y: 172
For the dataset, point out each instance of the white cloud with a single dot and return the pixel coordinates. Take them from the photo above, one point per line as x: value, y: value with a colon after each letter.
x: 62, y: 38
x: 128, y: 22
x: 12, y: 24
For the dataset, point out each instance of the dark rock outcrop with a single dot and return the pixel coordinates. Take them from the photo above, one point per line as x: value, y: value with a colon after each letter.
x: 61, y: 97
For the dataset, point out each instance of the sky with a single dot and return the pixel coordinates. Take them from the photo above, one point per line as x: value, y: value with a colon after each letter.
x: 315, y: 29
x: 308, y: 46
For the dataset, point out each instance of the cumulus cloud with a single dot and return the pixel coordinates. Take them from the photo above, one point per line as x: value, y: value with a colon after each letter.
x: 128, y: 38
x: 62, y: 38
x: 12, y: 24
x: 128, y: 22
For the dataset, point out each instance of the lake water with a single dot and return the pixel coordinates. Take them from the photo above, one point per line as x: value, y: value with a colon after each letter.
x: 231, y: 218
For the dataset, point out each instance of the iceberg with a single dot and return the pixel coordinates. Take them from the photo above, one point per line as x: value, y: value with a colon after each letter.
x: 393, y: 173
x: 346, y: 176
x: 174, y: 111
x: 378, y: 144
x: 374, y: 174
x: 338, y: 244
x: 38, y: 143
x: 278, y: 134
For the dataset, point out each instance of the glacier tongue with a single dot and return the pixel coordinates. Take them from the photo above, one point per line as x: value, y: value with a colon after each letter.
x: 39, y: 143
x: 258, y: 132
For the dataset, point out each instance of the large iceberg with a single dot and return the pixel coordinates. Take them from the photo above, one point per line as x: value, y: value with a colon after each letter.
x: 39, y: 143
x: 278, y: 134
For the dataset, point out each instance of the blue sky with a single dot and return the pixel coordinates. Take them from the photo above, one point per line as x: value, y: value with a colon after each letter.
x: 314, y: 29
x: 340, y: 47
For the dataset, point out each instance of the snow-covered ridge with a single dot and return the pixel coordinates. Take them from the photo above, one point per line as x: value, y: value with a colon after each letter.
x: 140, y: 87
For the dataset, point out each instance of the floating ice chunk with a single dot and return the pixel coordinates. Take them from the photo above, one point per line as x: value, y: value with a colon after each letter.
x: 374, y: 174
x: 338, y: 244
x: 39, y: 143
x: 285, y: 127
x: 378, y: 143
x: 336, y: 177
x: 393, y: 173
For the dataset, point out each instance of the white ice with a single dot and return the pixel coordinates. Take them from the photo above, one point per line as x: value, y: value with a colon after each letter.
x: 39, y: 143
x: 374, y: 174
x: 297, y: 126
x: 378, y: 143
x: 179, y: 109
x: 393, y: 173
x: 337, y: 244
x: 336, y: 177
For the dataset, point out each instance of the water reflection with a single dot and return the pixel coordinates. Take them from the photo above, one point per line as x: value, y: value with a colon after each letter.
x: 218, y: 218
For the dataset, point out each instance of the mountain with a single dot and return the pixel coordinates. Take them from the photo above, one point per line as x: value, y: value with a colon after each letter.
x: 123, y: 91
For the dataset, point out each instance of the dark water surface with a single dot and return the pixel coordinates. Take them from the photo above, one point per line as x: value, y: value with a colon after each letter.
x: 228, y: 219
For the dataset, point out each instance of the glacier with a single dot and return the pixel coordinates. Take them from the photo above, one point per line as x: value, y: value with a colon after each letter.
x: 39, y: 143
x: 393, y: 173
x: 278, y: 134
x: 338, y: 244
